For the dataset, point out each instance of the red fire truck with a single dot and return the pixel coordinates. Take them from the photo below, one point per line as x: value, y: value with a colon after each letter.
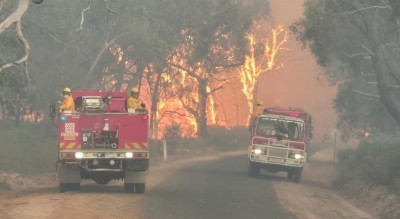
x: 279, y: 142
x: 102, y: 141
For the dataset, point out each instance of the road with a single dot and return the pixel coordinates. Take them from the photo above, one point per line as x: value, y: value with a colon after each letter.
x: 216, y: 189
x: 202, y: 186
x: 208, y: 187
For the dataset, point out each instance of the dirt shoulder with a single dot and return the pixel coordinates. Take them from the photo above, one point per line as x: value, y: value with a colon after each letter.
x: 314, y: 197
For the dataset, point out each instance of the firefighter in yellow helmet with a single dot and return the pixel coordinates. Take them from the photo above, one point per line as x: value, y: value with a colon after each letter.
x: 67, y: 104
x: 133, y: 100
x: 258, y: 110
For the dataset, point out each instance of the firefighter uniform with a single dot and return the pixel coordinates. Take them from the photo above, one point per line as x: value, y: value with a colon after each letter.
x: 68, y: 102
x: 133, y: 101
x: 258, y: 110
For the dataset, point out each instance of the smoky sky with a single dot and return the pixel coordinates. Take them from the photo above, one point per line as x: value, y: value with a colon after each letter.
x: 301, y: 82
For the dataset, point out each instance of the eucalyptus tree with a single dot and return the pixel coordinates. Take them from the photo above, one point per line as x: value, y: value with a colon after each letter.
x: 212, y: 35
x: 15, y: 51
x: 358, y: 44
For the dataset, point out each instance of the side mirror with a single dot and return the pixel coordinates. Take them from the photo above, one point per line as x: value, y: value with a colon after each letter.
x: 53, y: 112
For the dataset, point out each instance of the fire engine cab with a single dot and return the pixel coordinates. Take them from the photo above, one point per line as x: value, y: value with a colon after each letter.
x: 279, y: 142
x: 102, y: 141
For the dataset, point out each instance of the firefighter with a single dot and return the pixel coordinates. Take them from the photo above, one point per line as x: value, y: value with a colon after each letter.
x: 133, y: 100
x: 67, y: 104
x: 258, y: 110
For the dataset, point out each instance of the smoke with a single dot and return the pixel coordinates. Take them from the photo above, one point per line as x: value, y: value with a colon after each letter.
x: 301, y: 82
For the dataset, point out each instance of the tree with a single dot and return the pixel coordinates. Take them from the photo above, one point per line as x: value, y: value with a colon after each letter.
x: 13, y: 78
x: 265, y: 43
x: 357, y: 42
x: 213, y: 39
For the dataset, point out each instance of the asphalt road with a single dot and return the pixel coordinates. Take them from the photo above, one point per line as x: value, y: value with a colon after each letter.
x: 214, y: 189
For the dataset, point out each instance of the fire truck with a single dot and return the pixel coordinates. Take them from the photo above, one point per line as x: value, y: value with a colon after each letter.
x: 279, y: 142
x: 102, y: 141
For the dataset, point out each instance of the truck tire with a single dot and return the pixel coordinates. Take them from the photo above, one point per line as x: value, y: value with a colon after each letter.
x: 290, y: 174
x: 252, y: 169
x: 64, y: 187
x: 129, y: 187
x: 297, y: 175
x: 75, y: 186
x: 140, y: 188
x: 102, y: 181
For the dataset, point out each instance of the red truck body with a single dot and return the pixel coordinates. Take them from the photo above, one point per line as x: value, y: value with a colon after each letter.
x: 103, y: 141
x: 279, y: 142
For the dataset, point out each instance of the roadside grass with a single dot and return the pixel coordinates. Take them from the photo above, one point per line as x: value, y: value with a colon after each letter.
x: 28, y: 149
x: 375, y: 162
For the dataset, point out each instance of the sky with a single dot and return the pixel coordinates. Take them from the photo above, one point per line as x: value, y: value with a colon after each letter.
x: 301, y: 83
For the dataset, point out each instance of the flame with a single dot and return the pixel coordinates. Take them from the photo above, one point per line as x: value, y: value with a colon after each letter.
x: 257, y: 63
x: 211, y: 107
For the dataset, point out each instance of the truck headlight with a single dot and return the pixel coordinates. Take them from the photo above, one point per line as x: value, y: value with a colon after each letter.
x: 258, y: 151
x: 298, y: 156
x: 78, y: 155
x: 128, y: 154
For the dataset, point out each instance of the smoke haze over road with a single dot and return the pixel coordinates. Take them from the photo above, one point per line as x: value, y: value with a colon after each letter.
x: 301, y: 82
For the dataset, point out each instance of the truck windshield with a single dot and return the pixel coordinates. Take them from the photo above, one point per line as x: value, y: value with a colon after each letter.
x: 293, y: 130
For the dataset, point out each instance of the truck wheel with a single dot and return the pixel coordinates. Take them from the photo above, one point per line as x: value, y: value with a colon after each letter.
x: 64, y: 187
x: 140, y: 188
x: 252, y: 169
x: 290, y: 174
x: 129, y: 187
x: 297, y: 175
x: 75, y: 186
x: 102, y: 181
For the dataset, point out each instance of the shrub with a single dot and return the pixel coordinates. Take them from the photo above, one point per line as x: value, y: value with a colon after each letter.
x: 374, y: 162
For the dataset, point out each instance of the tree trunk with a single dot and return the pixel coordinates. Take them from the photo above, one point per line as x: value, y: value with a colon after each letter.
x: 202, y: 118
x: 154, y: 106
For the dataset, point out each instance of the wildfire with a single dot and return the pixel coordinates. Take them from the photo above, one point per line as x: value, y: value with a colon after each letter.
x: 260, y: 60
x: 178, y: 99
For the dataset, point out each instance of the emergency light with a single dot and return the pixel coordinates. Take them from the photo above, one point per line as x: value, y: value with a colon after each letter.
x: 63, y: 118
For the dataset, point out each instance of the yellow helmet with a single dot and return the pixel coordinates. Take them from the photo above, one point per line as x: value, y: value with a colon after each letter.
x: 259, y: 102
x: 135, y: 90
x: 67, y: 90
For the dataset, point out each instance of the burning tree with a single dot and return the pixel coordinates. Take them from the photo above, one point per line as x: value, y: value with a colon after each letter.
x: 261, y: 58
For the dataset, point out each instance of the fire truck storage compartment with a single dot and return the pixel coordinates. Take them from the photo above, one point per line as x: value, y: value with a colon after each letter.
x: 99, y: 140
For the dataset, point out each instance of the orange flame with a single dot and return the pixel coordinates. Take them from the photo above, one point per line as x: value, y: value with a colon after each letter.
x: 257, y: 63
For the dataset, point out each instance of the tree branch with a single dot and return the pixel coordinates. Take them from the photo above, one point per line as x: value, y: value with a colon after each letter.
x: 215, y: 89
x: 15, y: 17
x: 108, y: 7
x: 366, y: 8
x: 83, y: 15
x: 366, y: 94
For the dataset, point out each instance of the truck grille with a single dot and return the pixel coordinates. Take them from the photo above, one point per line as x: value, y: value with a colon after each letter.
x: 277, y: 152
